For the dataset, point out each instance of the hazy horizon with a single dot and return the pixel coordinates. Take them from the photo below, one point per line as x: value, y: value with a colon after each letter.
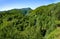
x: 18, y: 4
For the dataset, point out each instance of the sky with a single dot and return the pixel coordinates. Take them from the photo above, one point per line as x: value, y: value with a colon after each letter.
x: 12, y: 4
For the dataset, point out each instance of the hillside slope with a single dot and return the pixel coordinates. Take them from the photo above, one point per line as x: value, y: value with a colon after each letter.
x: 30, y: 24
x: 55, y: 34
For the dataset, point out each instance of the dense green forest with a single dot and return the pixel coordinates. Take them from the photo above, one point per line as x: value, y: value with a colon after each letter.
x: 41, y: 23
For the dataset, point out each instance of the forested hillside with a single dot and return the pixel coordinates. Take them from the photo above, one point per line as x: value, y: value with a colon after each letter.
x: 41, y: 23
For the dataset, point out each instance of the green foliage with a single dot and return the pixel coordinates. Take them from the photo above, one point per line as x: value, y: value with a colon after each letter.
x: 54, y: 34
x: 29, y: 24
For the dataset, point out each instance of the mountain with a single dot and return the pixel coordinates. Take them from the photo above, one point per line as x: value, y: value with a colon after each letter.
x: 25, y: 23
x: 23, y: 11
x: 26, y: 10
